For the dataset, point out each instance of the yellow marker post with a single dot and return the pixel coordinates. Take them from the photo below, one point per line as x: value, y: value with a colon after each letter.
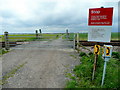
x: 96, y: 52
x: 108, y: 51
x: 97, y: 49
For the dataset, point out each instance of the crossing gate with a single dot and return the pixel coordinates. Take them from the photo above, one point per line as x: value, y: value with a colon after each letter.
x: 32, y: 40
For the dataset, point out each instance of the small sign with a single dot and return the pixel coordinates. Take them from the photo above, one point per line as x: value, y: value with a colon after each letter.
x: 97, y: 49
x: 107, y: 51
x: 100, y: 17
x: 99, y: 34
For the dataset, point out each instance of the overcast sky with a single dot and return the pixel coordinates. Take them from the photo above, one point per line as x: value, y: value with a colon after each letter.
x: 25, y: 16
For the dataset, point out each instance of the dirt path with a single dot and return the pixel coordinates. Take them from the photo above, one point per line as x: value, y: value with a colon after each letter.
x: 47, y: 63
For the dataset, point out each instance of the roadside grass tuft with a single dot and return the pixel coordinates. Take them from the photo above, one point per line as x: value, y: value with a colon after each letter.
x: 11, y: 74
x: 116, y: 55
x: 73, y: 56
x: 3, y: 51
x: 82, y: 54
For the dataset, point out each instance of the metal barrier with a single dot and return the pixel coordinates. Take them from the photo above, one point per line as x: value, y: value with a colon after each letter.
x: 32, y: 40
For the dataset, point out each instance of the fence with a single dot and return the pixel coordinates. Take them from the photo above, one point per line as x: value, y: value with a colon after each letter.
x: 13, y: 39
x: 18, y: 39
x: 81, y: 42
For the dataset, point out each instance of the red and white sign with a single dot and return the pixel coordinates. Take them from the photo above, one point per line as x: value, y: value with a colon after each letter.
x: 100, y: 17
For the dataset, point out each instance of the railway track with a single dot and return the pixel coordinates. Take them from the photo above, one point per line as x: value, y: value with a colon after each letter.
x: 12, y: 44
x: 84, y: 43
x: 88, y: 43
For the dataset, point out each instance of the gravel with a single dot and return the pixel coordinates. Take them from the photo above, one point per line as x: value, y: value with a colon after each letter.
x: 47, y: 63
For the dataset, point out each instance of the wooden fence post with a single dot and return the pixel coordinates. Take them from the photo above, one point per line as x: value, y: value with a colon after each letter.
x: 67, y: 34
x: 40, y: 33
x: 36, y: 34
x: 77, y: 40
x: 96, y: 52
x: 6, y: 40
x: 74, y: 41
x: 94, y: 67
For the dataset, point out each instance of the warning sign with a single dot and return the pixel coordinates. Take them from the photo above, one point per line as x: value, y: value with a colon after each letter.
x: 97, y: 49
x: 100, y: 17
x: 108, y: 51
x: 99, y: 34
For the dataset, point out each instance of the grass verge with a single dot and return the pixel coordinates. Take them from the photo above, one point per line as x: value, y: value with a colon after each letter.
x: 81, y: 75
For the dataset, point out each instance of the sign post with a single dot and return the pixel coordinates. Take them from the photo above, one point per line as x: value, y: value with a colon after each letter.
x: 99, y: 17
x: 107, y: 54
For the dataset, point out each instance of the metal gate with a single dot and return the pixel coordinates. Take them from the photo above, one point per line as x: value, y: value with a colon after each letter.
x: 37, y: 40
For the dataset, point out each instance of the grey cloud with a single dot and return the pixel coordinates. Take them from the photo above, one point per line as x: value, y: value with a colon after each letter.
x: 46, y: 14
x: 7, y: 14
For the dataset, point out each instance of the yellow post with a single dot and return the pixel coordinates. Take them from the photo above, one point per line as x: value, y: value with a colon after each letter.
x: 96, y: 52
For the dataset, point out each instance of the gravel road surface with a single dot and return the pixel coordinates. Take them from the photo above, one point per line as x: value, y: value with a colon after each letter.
x: 47, y: 63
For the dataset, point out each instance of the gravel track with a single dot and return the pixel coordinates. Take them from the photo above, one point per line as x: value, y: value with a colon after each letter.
x: 47, y: 63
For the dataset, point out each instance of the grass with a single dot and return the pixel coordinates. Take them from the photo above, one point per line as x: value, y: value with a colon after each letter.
x: 20, y: 37
x: 3, y: 51
x: 50, y: 36
x: 1, y: 38
x: 10, y: 74
x: 30, y: 37
x: 115, y: 36
x: 84, y: 36
x: 81, y: 75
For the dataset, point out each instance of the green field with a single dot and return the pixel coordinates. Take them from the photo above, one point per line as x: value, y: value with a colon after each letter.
x: 50, y: 36
x: 84, y: 36
x: 1, y: 36
x: 115, y: 36
x: 30, y: 37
